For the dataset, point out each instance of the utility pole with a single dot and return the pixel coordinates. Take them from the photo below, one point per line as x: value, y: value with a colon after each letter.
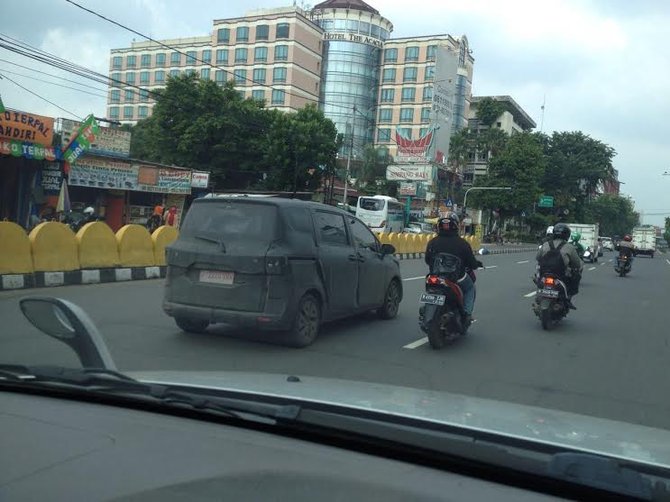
x: 351, y: 149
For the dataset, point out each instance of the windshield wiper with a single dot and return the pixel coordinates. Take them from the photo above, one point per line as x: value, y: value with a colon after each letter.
x: 215, y: 240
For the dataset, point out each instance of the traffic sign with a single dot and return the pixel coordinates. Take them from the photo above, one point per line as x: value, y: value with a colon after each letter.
x: 546, y: 201
x: 448, y: 203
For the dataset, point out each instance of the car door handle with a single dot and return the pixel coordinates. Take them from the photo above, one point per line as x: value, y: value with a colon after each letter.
x: 356, y: 257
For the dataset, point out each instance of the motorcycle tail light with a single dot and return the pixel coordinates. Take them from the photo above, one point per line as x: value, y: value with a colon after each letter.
x: 432, y: 280
x: 549, y: 281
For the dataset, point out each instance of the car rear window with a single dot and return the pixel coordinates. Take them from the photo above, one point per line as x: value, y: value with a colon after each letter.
x: 251, y: 221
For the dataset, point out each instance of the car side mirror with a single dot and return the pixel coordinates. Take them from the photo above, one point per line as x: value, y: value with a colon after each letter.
x: 387, y: 249
x: 68, y: 323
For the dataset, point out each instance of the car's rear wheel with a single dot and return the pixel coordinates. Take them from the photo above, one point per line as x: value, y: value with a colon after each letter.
x: 306, y: 323
x: 191, y: 325
x: 391, y: 301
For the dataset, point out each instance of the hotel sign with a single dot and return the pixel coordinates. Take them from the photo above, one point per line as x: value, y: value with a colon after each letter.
x: 353, y: 37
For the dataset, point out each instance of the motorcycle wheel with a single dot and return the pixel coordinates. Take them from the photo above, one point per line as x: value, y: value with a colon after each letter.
x: 545, y: 318
x: 622, y: 272
x: 436, y: 338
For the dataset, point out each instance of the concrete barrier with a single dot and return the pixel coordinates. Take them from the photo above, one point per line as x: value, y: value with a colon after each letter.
x: 15, y: 254
x: 162, y: 237
x: 54, y: 248
x: 136, y: 249
x: 97, y: 246
x: 394, y: 241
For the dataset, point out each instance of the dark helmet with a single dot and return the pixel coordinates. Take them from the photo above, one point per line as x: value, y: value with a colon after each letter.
x: 627, y: 238
x: 562, y: 231
x: 448, y: 224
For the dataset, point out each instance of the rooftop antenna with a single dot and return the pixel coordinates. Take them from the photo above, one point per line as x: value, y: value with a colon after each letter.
x: 544, y: 100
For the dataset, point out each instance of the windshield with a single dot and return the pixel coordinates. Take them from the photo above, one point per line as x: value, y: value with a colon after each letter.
x: 267, y: 180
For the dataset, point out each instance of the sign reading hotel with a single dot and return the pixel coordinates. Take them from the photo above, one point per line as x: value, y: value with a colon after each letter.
x: 26, y: 127
x: 353, y: 37
x: 409, y: 172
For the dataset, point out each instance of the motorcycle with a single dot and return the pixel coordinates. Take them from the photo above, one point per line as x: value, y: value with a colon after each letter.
x: 550, y: 304
x: 622, y: 265
x: 441, y: 315
x: 589, y: 255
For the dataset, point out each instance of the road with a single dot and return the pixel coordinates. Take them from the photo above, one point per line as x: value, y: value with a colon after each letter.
x: 608, y: 359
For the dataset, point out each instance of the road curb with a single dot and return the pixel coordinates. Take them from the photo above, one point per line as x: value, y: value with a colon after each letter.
x: 409, y: 256
x: 75, y: 277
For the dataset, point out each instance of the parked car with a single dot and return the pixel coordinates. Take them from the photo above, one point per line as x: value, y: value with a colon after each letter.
x: 607, y: 243
x: 276, y: 264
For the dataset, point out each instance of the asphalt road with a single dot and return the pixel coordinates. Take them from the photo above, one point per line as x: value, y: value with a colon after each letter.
x: 610, y: 358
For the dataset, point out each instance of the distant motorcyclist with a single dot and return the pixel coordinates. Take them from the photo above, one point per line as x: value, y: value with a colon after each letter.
x: 626, y: 247
x: 448, y: 241
x: 570, y: 271
x: 574, y: 240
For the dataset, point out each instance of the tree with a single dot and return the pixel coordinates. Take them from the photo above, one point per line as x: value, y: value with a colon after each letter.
x: 488, y: 111
x: 371, y: 175
x: 615, y: 214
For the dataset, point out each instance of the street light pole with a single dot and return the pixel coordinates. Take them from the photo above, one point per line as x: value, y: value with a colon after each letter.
x: 465, y: 199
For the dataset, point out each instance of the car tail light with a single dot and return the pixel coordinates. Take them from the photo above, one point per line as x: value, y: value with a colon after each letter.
x: 276, y: 265
x: 549, y: 281
x: 432, y: 280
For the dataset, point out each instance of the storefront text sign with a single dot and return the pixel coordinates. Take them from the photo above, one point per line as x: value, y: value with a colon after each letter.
x: 109, y: 141
x: 82, y: 140
x: 26, y: 127
x: 29, y: 150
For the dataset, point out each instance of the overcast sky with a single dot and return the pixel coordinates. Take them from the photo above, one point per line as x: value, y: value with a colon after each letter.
x: 603, y: 66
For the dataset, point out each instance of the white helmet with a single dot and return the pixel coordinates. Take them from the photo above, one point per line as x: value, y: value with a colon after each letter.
x: 550, y: 230
x: 89, y: 210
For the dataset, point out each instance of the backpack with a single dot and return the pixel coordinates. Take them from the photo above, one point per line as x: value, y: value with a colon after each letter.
x: 552, y: 261
x: 447, y: 265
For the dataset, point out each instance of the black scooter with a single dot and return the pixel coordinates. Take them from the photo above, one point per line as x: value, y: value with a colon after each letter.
x: 551, y: 300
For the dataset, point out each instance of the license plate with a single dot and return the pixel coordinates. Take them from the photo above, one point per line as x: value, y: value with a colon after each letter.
x: 552, y: 293
x: 433, y: 299
x: 217, y: 277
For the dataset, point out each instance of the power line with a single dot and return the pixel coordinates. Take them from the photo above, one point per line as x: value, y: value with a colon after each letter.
x: 54, y: 83
x: 41, y: 97
x: 52, y: 75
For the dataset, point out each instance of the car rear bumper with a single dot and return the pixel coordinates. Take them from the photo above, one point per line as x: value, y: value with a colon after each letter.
x: 240, y: 319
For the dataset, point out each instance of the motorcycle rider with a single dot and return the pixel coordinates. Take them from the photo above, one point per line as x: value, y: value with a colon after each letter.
x: 448, y: 241
x: 627, y: 249
x: 573, y: 263
x: 576, y: 237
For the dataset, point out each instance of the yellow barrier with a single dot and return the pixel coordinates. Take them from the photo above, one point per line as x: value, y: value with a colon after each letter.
x: 162, y: 237
x: 97, y: 246
x: 394, y: 240
x: 135, y: 246
x: 54, y: 247
x: 15, y: 254
x: 384, y: 238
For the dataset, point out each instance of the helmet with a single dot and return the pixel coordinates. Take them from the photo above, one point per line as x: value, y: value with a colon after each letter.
x: 561, y: 231
x: 627, y: 238
x: 89, y: 210
x: 449, y: 223
x: 576, y: 236
x: 550, y: 230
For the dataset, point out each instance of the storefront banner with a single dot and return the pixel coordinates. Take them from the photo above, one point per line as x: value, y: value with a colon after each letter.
x: 52, y: 176
x: 29, y: 150
x: 163, y: 180
x: 409, y: 172
x: 109, y: 141
x: 82, y: 140
x: 199, y: 179
x: 407, y: 188
x: 28, y: 127
x: 104, y: 173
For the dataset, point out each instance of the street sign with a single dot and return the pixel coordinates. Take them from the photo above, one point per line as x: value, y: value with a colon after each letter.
x: 546, y: 201
x: 448, y: 203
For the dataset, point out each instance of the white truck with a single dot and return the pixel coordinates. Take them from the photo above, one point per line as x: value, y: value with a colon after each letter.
x: 590, y: 234
x: 644, y: 240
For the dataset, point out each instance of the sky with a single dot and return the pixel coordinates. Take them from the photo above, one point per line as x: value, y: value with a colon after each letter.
x: 600, y: 67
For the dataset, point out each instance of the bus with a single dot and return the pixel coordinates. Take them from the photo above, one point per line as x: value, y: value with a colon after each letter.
x: 381, y: 213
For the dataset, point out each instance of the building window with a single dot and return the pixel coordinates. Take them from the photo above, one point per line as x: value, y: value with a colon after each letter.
x: 160, y: 59
x: 423, y: 131
x: 282, y: 30
x: 405, y: 132
x: 259, y: 76
x: 130, y: 77
x: 262, y: 32
x: 131, y: 61
x: 241, y: 93
x: 409, y: 74
x: 240, y: 77
x: 206, y: 56
x: 127, y: 112
x: 390, y: 55
x: 222, y: 56
x: 144, y: 77
x: 223, y: 35
x: 191, y: 57
x: 430, y: 73
x: 260, y: 54
x: 144, y: 95
x: 115, y: 96
x: 175, y: 58
x: 129, y: 96
x: 384, y: 135
x: 431, y: 50
x: 143, y: 112
x: 145, y: 60
x: 115, y: 78
x: 220, y: 76
x: 242, y: 34
x: 113, y: 112
x: 258, y: 95
x: 412, y: 53
x: 281, y: 52
x: 204, y: 73
x: 241, y: 55
x: 407, y: 115
x: 388, y: 95
x: 388, y: 75
x: 279, y: 74
x: 278, y: 97
x: 408, y: 94
x: 428, y: 93
x: 159, y: 76
x: 385, y: 114
x: 189, y: 71
x: 117, y: 61
x: 174, y: 73
x: 425, y: 114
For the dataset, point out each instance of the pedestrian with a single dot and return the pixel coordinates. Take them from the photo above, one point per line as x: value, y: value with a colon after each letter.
x: 156, y: 219
x: 171, y: 217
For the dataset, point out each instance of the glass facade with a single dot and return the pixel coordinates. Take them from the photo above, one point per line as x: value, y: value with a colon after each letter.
x: 462, y: 92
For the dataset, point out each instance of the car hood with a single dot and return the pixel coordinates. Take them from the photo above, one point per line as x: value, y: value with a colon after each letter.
x: 589, y: 434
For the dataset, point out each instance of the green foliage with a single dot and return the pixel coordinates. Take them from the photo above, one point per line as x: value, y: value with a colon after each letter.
x: 615, y: 214
x: 666, y: 233
x: 371, y: 173
x: 488, y: 111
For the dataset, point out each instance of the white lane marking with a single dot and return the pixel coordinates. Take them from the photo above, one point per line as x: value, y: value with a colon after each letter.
x: 667, y: 261
x: 417, y: 343
x: 491, y: 266
x: 415, y: 278
x: 610, y: 260
x: 602, y: 263
x: 530, y: 294
x: 523, y: 261
x: 592, y: 268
